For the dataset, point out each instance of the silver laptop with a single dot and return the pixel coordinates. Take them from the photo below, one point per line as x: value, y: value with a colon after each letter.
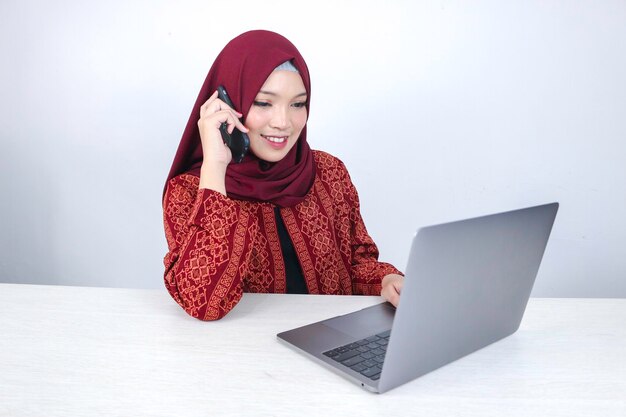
x: 466, y: 286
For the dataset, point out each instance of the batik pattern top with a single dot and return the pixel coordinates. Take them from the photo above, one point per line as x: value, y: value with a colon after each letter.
x: 221, y: 247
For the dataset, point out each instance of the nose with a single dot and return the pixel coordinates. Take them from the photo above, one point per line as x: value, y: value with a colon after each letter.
x: 280, y: 118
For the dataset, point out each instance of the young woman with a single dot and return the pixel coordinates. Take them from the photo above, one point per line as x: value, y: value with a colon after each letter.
x: 286, y: 219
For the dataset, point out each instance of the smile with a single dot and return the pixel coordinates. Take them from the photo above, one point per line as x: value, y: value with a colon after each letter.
x: 276, y: 139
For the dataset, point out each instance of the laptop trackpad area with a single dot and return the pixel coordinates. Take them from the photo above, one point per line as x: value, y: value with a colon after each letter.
x: 364, y: 323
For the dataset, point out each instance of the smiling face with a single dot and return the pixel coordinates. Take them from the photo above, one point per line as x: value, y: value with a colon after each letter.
x: 277, y: 116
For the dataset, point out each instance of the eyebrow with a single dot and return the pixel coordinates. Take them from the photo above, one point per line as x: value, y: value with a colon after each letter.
x: 274, y: 94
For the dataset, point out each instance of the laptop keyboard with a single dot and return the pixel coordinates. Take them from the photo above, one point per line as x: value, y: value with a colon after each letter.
x: 365, y: 356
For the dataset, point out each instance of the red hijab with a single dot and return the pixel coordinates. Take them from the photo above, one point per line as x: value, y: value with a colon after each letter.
x: 242, y: 68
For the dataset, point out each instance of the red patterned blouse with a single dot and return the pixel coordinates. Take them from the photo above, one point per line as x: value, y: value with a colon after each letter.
x: 220, y: 247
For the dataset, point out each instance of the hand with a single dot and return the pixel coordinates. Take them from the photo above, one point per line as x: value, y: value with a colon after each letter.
x: 216, y: 155
x: 392, y: 286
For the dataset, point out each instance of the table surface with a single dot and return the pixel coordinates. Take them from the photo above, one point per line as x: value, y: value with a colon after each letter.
x: 76, y: 351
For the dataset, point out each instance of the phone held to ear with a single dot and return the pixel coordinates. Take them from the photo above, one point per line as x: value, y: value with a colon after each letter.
x: 238, y: 141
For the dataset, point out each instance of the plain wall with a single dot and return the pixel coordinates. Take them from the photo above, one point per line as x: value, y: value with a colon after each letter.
x: 441, y: 110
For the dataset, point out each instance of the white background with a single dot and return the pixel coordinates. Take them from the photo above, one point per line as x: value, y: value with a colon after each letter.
x: 440, y: 109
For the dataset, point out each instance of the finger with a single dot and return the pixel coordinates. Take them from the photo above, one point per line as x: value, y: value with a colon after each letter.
x: 396, y: 290
x: 215, y: 106
x: 396, y: 295
x: 205, y: 106
x: 239, y: 126
x: 394, y: 298
x: 233, y: 120
x: 230, y: 118
x: 391, y: 295
x: 220, y: 116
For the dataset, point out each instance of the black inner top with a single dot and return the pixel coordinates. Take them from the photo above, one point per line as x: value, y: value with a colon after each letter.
x: 295, y: 279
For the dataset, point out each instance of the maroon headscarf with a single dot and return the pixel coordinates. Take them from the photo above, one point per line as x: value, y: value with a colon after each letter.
x: 242, y: 68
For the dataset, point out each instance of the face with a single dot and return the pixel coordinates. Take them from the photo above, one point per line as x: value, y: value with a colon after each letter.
x: 277, y: 116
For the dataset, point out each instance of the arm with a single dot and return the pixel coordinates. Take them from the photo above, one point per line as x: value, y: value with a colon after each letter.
x: 205, y: 230
x: 207, y: 236
x: 368, y: 274
x: 367, y: 271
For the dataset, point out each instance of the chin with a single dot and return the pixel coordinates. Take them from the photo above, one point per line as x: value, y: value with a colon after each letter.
x: 271, y: 155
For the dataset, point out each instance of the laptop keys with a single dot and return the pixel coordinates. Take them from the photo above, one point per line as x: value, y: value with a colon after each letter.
x: 346, y: 355
x: 353, y: 361
x: 367, y: 355
x: 378, y: 352
x: 370, y: 372
x: 364, y: 356
x: 370, y: 363
x: 385, y: 335
x: 358, y: 368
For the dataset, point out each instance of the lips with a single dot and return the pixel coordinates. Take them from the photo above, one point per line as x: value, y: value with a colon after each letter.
x: 276, y: 139
x: 277, y: 142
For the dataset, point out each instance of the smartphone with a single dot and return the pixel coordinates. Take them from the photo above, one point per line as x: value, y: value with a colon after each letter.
x: 238, y: 141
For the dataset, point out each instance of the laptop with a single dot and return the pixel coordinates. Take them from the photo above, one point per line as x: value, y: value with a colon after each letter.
x: 466, y: 286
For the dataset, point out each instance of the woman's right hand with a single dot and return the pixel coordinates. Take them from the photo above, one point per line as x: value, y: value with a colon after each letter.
x: 216, y: 155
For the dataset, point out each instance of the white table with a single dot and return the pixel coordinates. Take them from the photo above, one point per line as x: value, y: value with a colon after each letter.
x: 72, y: 351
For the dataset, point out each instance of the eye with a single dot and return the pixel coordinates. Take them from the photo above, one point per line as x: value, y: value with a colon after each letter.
x: 261, y: 103
x: 299, y: 105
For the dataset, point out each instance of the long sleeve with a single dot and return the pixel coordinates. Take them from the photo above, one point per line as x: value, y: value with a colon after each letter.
x: 208, y: 237
x: 367, y: 272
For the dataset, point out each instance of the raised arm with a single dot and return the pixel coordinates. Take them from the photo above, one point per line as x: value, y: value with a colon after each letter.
x: 208, y: 239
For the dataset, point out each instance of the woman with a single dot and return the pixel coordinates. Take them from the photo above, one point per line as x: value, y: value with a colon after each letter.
x: 285, y: 219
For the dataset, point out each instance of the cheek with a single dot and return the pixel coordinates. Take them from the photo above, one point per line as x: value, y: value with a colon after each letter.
x: 299, y: 120
x: 254, y: 121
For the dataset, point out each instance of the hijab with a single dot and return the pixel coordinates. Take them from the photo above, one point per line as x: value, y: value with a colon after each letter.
x: 242, y: 68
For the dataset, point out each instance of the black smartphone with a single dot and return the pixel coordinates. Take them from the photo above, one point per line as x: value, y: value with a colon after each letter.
x: 238, y: 141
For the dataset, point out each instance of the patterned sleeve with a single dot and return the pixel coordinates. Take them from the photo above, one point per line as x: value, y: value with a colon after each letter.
x: 206, y: 237
x: 367, y: 271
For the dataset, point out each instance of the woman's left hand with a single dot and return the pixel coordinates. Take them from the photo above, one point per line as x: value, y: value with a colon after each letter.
x: 392, y: 286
